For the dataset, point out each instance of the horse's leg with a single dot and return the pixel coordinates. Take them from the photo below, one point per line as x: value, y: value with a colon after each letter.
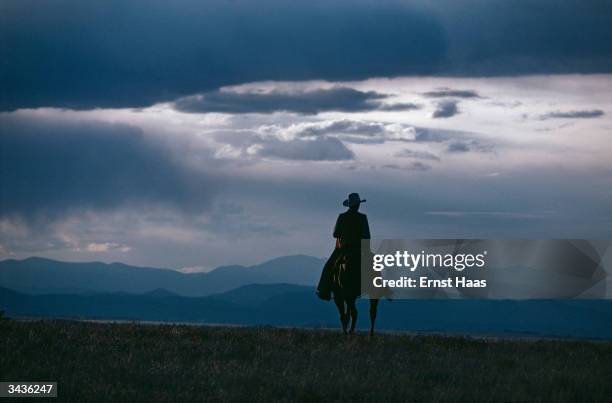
x: 339, y: 301
x: 352, y: 308
x: 373, y: 310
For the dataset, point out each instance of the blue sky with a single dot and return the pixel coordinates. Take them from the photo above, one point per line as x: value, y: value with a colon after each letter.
x: 195, y: 134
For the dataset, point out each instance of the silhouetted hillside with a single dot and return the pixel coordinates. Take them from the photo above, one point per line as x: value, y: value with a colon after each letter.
x: 257, y: 293
x: 133, y: 362
x: 290, y: 305
x: 160, y: 292
x: 38, y: 276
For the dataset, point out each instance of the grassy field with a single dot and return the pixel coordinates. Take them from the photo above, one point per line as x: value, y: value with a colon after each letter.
x: 131, y: 362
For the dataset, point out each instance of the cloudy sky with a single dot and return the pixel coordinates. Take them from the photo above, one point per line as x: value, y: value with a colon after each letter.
x: 196, y: 134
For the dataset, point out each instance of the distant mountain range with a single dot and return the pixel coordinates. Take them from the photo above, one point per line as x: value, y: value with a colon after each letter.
x: 42, y: 276
x: 294, y: 305
x: 279, y: 292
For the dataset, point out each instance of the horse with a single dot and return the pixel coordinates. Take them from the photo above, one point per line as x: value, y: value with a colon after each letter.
x: 345, y: 272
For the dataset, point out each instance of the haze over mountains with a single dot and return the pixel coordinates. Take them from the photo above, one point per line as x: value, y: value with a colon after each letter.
x: 279, y: 292
x: 42, y: 276
x: 293, y: 305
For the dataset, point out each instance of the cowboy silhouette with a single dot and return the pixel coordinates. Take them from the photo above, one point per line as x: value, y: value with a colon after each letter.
x: 341, y: 276
x: 351, y: 227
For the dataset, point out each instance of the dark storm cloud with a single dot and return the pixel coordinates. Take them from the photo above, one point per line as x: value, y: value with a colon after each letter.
x: 446, y: 109
x: 587, y: 114
x: 81, y: 55
x: 447, y: 92
x: 422, y: 155
x: 50, y: 167
x: 305, y: 102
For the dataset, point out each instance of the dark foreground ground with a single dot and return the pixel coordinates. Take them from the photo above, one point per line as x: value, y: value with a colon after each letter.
x: 132, y: 362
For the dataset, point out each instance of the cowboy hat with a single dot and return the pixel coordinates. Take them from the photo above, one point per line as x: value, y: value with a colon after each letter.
x: 353, y: 200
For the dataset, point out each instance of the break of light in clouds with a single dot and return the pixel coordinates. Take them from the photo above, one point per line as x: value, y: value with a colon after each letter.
x: 184, y: 149
x: 177, y: 189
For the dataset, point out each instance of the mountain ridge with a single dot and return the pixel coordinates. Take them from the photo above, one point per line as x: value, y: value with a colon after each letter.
x: 291, y: 305
x: 42, y: 275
